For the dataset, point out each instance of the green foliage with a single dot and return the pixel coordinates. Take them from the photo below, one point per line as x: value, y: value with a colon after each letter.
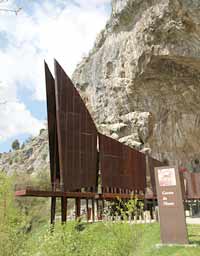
x: 36, y: 210
x: 79, y: 238
x: 11, y: 220
x: 126, y: 210
x: 97, y: 239
x: 129, y: 234
x: 19, y: 216
x: 24, y: 230
x: 15, y: 145
x: 104, y: 239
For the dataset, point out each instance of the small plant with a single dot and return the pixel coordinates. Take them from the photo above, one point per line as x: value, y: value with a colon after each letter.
x: 125, y: 210
x: 127, y: 235
x: 80, y: 226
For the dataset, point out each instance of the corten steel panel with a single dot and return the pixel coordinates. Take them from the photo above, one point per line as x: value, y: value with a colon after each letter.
x: 197, y: 183
x: 192, y: 184
x: 52, y: 127
x: 77, y: 136
x: 189, y: 186
x: 152, y: 164
x: 183, y: 189
x: 121, y: 166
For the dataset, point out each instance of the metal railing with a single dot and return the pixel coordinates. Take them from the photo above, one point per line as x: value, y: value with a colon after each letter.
x: 43, y: 187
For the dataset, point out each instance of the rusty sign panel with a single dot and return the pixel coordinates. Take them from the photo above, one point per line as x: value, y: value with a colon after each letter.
x: 171, y: 209
x: 77, y: 136
x: 192, y: 181
x: 196, y: 181
x: 52, y: 127
x: 152, y: 163
x: 121, y: 166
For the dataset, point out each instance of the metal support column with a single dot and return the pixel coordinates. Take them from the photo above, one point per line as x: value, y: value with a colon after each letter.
x: 63, y: 209
x: 78, y: 207
x: 87, y: 210
x: 53, y: 209
x: 93, y: 211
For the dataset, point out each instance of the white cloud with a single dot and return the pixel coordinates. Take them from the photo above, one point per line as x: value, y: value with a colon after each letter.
x: 50, y: 32
x: 64, y: 30
x: 17, y: 119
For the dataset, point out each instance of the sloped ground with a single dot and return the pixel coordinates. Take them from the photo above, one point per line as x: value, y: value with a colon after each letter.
x: 32, y: 158
x: 107, y: 239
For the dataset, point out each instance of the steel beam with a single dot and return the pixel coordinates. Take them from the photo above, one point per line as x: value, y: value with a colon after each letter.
x: 53, y: 209
x: 63, y: 209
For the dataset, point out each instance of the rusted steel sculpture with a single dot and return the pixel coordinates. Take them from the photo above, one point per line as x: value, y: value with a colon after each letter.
x: 121, y: 166
x: 152, y: 163
x: 53, y: 138
x: 80, y: 156
x: 52, y: 127
x: 77, y: 136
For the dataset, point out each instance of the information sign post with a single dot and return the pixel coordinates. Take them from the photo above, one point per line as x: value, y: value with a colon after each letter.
x: 171, y: 208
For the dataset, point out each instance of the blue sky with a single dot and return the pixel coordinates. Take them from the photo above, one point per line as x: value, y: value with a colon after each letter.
x: 47, y: 29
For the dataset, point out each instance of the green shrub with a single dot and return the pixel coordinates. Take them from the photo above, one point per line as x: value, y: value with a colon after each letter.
x: 15, y: 145
x: 11, y: 219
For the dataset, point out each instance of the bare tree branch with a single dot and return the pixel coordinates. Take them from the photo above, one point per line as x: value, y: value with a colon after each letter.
x: 16, y: 11
x: 9, y: 10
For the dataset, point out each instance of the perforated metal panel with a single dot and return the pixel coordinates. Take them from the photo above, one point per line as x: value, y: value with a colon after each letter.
x: 52, y: 126
x: 77, y: 136
x: 121, y: 166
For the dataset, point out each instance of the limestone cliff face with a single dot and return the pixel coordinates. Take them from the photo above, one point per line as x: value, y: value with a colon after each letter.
x: 32, y: 158
x: 141, y: 81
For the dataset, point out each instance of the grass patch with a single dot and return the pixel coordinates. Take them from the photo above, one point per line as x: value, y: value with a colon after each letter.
x: 151, y: 237
x: 105, y: 239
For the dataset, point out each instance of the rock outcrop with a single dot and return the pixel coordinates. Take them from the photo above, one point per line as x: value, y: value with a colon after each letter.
x: 141, y: 80
x: 32, y: 158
